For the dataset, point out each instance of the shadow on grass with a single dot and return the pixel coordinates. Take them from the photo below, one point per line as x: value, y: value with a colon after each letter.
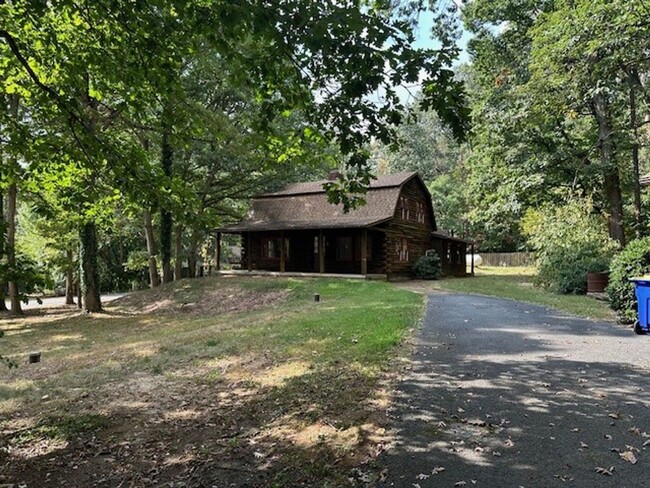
x: 305, y: 432
x: 176, y: 409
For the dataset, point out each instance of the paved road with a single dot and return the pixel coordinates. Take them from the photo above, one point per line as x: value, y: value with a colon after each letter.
x: 60, y: 301
x: 505, y: 394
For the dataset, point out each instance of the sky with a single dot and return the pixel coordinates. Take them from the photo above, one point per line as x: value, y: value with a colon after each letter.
x: 424, y: 40
x: 424, y: 36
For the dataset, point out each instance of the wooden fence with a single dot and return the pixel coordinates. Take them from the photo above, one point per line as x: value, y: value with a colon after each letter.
x: 508, y: 258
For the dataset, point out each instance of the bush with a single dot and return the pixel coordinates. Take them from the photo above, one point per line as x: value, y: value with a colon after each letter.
x: 569, y: 242
x: 632, y: 261
x: 428, y: 267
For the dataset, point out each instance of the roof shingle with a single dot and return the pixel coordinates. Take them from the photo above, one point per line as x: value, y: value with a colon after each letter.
x: 305, y: 206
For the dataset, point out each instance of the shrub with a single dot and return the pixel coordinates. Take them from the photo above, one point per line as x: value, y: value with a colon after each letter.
x: 428, y: 267
x: 632, y: 261
x: 569, y: 242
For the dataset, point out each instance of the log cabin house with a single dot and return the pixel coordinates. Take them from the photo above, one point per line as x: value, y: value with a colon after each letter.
x: 297, y: 230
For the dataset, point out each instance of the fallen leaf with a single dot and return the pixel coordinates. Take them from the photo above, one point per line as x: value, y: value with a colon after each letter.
x: 496, y: 453
x: 416, y: 485
x: 582, y: 444
x: 461, y: 410
x: 628, y: 456
x: 608, y: 437
x: 422, y: 476
x: 646, y: 443
x: 614, y: 415
x: 603, y: 471
x: 437, y: 469
x: 634, y: 431
x: 460, y: 483
x: 509, y: 442
x: 575, y: 430
x: 442, y: 425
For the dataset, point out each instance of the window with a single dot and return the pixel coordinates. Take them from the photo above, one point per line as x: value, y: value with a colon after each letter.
x: 405, y: 212
x: 271, y: 248
x: 344, y: 251
x: 419, y: 212
x: 402, y: 250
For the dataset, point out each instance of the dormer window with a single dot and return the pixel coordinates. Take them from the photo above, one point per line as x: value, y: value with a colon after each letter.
x: 404, y: 208
x: 419, y: 212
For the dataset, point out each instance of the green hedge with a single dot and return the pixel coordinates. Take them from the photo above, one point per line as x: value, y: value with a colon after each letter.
x: 569, y: 242
x: 632, y: 261
x: 428, y: 267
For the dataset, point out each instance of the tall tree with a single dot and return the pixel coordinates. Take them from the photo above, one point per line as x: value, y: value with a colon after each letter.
x: 93, y: 77
x: 552, y: 99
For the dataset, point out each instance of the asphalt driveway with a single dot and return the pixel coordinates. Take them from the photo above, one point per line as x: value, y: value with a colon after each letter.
x: 506, y: 394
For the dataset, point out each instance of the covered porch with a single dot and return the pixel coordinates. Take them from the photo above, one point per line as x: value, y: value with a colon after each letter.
x: 342, y: 251
x: 452, y: 251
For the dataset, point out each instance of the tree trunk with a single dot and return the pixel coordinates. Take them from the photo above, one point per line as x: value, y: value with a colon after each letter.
x: 77, y: 286
x: 89, y: 270
x: 69, y: 278
x: 154, y: 280
x: 3, y: 276
x: 165, y: 215
x: 612, y: 181
x: 178, y: 253
x: 191, y: 258
x: 3, y: 225
x: 638, y: 219
x: 14, y: 295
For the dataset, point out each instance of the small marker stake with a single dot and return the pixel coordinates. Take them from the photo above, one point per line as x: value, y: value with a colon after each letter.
x: 34, y: 357
x: 316, y: 297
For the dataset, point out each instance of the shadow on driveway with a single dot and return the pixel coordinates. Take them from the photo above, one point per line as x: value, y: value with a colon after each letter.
x: 506, y: 394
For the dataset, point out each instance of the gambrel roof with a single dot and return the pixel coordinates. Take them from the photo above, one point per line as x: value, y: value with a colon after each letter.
x: 305, y: 206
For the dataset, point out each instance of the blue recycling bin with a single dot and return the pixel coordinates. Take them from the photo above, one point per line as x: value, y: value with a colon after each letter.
x: 642, y: 290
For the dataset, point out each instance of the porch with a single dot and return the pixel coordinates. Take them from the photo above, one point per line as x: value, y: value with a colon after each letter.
x: 352, y: 251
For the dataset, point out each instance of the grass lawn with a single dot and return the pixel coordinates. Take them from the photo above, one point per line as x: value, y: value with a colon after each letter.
x: 214, y: 381
x: 517, y: 283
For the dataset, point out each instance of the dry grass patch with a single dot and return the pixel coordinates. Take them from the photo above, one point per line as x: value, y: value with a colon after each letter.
x: 204, y: 382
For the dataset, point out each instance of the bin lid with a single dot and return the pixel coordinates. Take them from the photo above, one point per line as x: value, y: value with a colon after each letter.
x: 640, y: 279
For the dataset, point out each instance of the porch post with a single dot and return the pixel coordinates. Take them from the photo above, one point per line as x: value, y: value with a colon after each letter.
x: 364, y: 251
x: 249, y: 252
x: 217, y: 252
x: 321, y: 252
x: 282, y: 263
x: 472, y: 250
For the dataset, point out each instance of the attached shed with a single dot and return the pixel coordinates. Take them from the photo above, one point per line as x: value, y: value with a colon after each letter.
x: 298, y: 230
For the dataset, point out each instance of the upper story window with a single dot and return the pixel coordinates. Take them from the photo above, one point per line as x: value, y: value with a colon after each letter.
x: 419, y: 212
x: 405, y: 212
